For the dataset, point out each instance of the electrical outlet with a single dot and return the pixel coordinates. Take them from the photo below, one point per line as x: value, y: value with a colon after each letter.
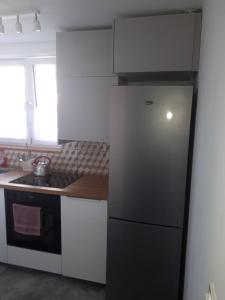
x: 212, y: 291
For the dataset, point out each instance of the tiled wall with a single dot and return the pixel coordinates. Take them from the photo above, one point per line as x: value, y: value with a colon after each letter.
x: 81, y: 157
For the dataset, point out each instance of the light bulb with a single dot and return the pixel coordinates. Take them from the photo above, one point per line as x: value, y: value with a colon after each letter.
x: 169, y: 115
x: 19, y: 27
x: 2, y: 28
x: 37, y: 24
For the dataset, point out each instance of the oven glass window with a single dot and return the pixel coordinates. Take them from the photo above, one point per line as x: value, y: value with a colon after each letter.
x: 33, y: 221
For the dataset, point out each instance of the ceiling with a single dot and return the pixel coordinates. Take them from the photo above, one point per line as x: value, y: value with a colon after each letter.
x: 59, y: 15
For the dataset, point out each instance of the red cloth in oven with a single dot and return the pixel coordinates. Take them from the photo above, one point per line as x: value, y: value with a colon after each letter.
x: 27, y: 219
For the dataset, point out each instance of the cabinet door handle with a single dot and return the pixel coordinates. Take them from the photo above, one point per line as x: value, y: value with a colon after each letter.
x: 149, y: 102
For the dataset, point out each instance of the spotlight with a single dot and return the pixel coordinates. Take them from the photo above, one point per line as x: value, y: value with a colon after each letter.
x: 2, y: 28
x: 17, y: 16
x: 19, y: 28
x: 169, y: 115
x: 37, y: 24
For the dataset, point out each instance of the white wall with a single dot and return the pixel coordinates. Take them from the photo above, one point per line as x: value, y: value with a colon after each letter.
x: 21, y: 50
x: 206, y: 243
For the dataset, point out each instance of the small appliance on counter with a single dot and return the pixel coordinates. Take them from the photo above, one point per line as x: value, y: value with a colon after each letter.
x: 41, y: 166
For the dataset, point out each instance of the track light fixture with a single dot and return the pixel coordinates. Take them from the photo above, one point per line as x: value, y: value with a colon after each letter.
x: 2, y: 28
x: 37, y: 24
x: 19, y: 27
x: 18, y: 15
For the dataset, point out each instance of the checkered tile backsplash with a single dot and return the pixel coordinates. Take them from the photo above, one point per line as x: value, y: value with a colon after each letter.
x: 82, y: 157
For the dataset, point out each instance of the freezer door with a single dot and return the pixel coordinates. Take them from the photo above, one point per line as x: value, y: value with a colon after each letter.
x: 150, y: 128
x: 143, y: 261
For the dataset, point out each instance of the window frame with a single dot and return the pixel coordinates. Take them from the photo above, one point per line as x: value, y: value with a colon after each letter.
x: 31, y: 101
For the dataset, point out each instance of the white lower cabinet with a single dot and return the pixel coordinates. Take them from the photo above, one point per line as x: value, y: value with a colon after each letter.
x: 84, y: 231
x: 33, y: 259
x: 3, y: 243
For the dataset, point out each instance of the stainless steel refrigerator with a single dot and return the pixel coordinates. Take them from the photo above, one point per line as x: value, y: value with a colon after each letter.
x: 149, y: 154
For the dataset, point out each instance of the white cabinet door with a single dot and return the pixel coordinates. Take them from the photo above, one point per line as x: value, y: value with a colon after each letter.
x: 3, y: 243
x: 84, y: 230
x: 157, y: 43
x: 84, y: 53
x: 83, y: 108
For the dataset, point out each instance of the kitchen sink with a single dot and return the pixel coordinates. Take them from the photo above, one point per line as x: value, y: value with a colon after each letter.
x: 4, y: 170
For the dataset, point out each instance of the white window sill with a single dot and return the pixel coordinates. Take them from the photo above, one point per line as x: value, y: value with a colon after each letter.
x: 36, y: 148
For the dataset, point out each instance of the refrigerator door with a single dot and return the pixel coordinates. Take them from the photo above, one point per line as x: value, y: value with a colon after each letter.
x: 150, y: 128
x: 143, y: 261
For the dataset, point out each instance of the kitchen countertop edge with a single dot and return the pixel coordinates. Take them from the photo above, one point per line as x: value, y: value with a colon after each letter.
x: 88, y: 186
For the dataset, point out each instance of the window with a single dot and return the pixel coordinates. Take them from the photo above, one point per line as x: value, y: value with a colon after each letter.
x: 28, y: 102
x: 12, y: 102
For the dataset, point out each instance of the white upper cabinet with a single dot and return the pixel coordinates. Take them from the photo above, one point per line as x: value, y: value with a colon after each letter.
x: 84, y: 77
x: 83, y: 108
x: 84, y: 53
x: 157, y: 43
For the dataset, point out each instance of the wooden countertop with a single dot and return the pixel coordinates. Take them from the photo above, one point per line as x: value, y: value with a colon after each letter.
x: 88, y: 186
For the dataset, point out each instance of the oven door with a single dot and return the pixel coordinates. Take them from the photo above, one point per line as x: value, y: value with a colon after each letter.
x: 23, y: 209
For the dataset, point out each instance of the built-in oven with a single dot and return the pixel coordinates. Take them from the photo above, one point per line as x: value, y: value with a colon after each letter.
x: 33, y: 221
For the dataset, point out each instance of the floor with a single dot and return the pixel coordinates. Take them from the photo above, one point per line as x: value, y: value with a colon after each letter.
x: 24, y: 284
